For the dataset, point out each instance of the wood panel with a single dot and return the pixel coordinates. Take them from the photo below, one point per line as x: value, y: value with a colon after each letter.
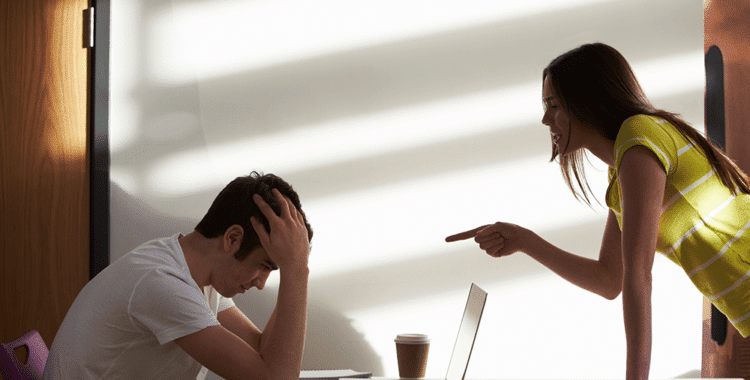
x: 726, y: 26
x: 43, y: 163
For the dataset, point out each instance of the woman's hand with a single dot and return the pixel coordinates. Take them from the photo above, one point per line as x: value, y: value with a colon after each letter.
x: 499, y: 239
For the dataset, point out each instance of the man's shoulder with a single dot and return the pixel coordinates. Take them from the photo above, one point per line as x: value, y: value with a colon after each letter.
x: 156, y: 257
x: 158, y: 252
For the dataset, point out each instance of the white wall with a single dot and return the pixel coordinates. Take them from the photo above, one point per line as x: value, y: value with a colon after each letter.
x: 399, y: 123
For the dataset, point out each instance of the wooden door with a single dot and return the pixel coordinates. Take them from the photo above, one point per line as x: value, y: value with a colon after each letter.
x: 726, y: 30
x: 44, y: 185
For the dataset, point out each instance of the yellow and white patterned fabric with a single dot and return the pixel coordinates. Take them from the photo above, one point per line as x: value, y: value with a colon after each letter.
x: 703, y: 227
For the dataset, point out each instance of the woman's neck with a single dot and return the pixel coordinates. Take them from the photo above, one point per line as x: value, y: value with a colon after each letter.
x: 604, y: 151
x: 601, y: 147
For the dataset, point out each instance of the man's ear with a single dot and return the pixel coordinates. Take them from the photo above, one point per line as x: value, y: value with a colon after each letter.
x: 233, y: 238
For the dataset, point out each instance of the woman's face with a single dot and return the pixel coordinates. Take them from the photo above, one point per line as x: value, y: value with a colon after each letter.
x: 564, y: 133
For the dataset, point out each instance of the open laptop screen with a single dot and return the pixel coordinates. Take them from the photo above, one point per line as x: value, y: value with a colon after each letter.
x: 467, y: 333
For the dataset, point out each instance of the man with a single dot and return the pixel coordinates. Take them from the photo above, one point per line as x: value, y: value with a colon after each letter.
x: 164, y: 310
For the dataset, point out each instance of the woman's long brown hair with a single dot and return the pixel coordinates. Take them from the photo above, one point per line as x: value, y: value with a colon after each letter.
x: 595, y: 85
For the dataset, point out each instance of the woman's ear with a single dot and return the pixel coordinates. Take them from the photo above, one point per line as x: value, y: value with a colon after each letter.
x: 233, y: 238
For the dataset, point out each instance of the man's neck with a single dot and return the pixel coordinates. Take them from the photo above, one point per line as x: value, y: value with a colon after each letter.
x: 197, y: 250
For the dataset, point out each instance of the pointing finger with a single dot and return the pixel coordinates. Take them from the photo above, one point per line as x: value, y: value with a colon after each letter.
x: 464, y: 235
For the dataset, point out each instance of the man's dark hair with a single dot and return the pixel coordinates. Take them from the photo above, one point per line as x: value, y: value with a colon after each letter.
x: 235, y: 205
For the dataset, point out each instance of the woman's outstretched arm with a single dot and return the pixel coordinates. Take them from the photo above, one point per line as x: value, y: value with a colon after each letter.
x: 602, y: 276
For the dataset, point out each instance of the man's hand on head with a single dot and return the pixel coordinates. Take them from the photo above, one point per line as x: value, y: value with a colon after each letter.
x: 287, y: 243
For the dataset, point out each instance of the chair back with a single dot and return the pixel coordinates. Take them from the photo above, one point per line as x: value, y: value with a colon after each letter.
x: 12, y: 369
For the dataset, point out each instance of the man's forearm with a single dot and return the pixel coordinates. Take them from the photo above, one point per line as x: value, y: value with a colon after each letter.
x: 282, y: 341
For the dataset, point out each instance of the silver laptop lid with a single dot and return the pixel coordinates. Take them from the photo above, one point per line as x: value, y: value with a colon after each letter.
x: 467, y: 333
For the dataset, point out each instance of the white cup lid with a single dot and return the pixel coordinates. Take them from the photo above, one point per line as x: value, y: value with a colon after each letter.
x: 412, y: 338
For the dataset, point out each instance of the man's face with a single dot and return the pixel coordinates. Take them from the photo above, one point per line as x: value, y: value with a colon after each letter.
x: 234, y: 276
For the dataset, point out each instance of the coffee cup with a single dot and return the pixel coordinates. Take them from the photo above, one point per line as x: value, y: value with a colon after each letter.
x: 411, y: 351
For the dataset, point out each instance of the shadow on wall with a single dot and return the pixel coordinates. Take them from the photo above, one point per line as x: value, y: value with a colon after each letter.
x: 138, y: 223
x: 331, y: 341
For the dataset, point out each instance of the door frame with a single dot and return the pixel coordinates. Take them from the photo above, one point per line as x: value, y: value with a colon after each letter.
x: 99, y: 214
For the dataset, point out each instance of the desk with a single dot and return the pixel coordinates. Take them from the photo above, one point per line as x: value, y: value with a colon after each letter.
x: 396, y: 378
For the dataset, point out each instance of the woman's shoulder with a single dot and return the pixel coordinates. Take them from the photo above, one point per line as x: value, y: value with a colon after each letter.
x: 652, y: 132
x: 647, y: 127
x: 644, y: 123
x: 640, y: 119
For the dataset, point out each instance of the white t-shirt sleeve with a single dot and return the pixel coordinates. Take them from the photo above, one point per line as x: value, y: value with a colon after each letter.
x: 168, y: 306
x: 224, y: 303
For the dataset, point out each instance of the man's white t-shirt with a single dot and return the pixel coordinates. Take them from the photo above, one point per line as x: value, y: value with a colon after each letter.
x: 123, y: 323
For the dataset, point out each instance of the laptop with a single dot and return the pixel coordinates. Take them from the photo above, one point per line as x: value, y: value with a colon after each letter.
x: 467, y: 333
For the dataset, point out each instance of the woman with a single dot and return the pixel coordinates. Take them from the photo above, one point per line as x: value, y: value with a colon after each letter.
x: 670, y: 191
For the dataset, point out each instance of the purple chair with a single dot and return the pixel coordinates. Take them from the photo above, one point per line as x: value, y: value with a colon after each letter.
x: 12, y: 369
